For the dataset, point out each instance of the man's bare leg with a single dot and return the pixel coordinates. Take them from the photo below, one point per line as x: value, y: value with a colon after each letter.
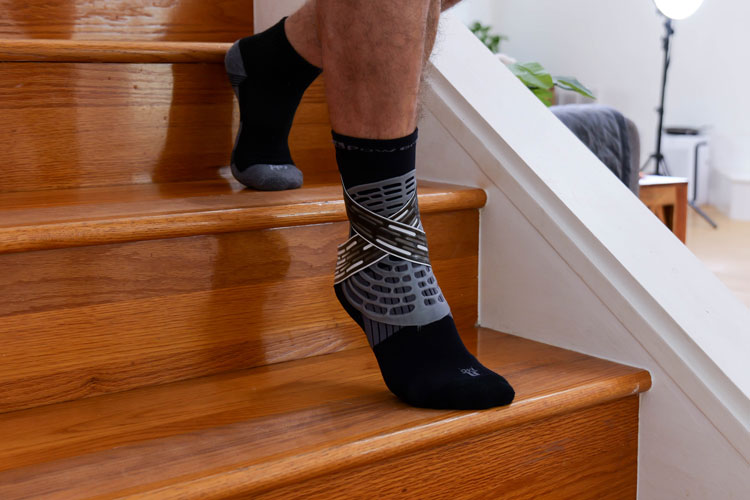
x: 373, y: 54
x: 302, y: 29
x: 269, y: 74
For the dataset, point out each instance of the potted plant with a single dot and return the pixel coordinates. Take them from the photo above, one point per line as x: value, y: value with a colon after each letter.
x: 532, y: 74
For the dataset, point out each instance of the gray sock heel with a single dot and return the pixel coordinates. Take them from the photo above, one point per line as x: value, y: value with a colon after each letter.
x: 269, y: 78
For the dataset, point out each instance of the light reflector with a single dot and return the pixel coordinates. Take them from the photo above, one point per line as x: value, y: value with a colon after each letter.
x: 678, y: 9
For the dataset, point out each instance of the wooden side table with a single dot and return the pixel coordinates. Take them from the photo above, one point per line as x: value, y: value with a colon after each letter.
x: 667, y: 198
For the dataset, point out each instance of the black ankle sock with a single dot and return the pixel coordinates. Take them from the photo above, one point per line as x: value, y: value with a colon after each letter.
x: 269, y: 78
x: 396, y: 299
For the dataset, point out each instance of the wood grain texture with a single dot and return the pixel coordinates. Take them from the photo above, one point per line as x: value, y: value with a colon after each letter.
x: 79, y: 322
x: 669, y: 203
x: 591, y: 454
x: 111, y: 51
x: 69, y: 125
x: 60, y: 219
x: 185, y: 20
x: 258, y: 430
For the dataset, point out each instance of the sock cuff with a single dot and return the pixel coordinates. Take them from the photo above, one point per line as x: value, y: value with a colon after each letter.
x: 349, y: 143
x: 273, y: 51
x: 363, y: 161
x: 292, y: 51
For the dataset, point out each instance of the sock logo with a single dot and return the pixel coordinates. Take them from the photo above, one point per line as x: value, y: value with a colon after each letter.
x: 470, y: 371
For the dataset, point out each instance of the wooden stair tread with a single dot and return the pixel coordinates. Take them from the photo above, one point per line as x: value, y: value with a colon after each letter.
x: 88, y: 216
x: 111, y: 51
x: 253, y: 430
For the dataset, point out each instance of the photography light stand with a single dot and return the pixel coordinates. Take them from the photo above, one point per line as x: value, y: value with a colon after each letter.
x: 691, y: 202
x: 658, y: 157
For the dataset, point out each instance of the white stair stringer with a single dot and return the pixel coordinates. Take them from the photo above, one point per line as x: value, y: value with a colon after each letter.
x: 568, y: 252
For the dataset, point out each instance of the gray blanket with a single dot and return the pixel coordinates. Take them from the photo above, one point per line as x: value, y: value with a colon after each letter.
x: 608, y: 134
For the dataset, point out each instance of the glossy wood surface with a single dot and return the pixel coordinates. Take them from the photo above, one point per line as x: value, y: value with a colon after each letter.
x: 257, y: 430
x: 185, y: 20
x: 115, y: 51
x: 669, y: 203
x: 68, y: 125
x: 79, y: 322
x: 82, y: 217
x: 590, y: 454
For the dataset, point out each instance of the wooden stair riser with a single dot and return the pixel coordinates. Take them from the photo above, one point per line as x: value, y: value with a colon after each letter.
x: 68, y: 125
x: 591, y: 454
x: 254, y: 431
x: 183, y: 20
x: 84, y: 321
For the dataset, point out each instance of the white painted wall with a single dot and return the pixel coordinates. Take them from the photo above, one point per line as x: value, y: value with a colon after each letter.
x: 614, y: 47
x: 469, y: 11
x: 269, y: 12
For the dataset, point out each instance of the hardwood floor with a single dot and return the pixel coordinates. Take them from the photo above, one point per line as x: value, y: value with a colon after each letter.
x: 725, y: 251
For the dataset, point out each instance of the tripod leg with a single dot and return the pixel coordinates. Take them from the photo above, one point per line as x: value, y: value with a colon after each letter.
x: 663, y: 163
x: 703, y: 214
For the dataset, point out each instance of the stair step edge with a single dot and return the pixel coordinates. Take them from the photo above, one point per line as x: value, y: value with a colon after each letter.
x: 414, y: 431
x: 270, y: 475
x: 99, y: 51
x: 120, y: 228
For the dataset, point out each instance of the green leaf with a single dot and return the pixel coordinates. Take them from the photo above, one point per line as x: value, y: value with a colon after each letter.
x: 570, y: 83
x: 537, y: 69
x: 544, y: 95
x: 491, y: 41
x: 533, y: 75
x: 496, y: 40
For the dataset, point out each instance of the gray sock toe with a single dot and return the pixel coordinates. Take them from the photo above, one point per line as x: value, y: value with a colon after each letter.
x: 267, y: 177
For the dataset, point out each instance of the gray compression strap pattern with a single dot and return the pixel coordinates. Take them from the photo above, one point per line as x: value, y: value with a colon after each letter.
x: 375, y: 237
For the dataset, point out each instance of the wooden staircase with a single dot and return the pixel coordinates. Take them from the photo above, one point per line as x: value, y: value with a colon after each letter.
x: 168, y: 334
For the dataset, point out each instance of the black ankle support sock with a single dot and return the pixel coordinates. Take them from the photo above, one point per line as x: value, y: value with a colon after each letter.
x: 395, y: 300
x: 269, y: 78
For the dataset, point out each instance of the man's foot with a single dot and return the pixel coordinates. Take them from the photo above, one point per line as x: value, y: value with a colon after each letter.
x: 269, y: 78
x: 385, y: 282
